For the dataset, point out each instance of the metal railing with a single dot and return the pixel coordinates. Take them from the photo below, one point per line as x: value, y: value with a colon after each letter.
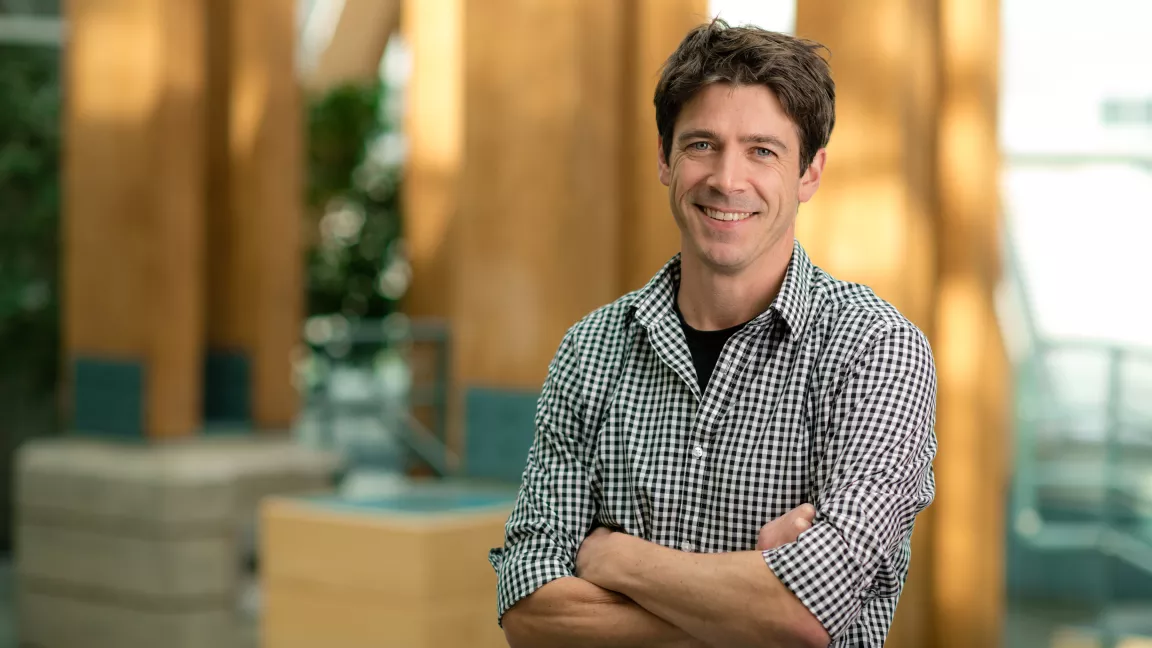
x: 387, y: 399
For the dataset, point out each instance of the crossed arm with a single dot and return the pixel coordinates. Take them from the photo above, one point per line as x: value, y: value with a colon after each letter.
x: 613, y: 590
x: 630, y: 592
x: 571, y: 612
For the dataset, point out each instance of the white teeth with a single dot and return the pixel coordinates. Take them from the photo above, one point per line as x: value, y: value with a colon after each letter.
x: 726, y: 216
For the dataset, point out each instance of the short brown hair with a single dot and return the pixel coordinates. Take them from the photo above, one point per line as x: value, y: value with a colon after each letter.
x: 791, y: 67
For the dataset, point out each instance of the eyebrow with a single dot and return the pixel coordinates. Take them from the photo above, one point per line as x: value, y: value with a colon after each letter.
x: 755, y: 138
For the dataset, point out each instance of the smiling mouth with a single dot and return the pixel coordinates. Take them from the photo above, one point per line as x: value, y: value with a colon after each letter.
x: 726, y: 216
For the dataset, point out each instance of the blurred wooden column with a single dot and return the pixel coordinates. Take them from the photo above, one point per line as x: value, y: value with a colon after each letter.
x: 531, y: 194
x: 433, y: 126
x: 256, y: 192
x: 648, y: 234
x: 539, y: 211
x: 560, y: 209
x: 873, y: 220
x: 975, y: 393
x: 909, y: 206
x: 133, y: 216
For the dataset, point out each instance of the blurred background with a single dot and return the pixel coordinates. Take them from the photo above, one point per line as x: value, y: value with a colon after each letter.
x: 280, y: 281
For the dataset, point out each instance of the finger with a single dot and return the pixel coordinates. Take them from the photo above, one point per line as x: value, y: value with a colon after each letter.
x: 786, y: 528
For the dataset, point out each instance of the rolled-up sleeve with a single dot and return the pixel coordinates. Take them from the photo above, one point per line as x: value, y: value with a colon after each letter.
x: 874, y: 477
x: 554, y: 508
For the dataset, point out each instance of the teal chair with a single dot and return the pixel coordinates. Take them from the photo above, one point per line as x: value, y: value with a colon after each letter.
x: 499, y: 426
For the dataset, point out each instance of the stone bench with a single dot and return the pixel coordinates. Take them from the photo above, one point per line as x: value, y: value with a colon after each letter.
x: 144, y: 545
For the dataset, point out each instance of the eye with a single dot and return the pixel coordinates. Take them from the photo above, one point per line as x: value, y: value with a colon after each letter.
x: 764, y: 152
x: 699, y: 146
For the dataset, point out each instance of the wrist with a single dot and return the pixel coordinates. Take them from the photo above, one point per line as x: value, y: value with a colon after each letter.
x: 622, y: 561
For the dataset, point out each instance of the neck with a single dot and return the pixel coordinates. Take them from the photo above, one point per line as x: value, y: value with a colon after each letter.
x: 711, y: 300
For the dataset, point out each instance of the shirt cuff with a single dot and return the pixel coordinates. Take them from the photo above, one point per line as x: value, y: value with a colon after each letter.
x: 519, y: 573
x: 821, y: 573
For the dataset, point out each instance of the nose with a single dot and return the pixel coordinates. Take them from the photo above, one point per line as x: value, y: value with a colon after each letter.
x: 728, y: 174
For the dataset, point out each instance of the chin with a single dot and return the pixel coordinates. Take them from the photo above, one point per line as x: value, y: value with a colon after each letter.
x: 726, y: 263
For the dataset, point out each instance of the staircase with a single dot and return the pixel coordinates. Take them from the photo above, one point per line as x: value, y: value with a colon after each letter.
x: 1081, y: 503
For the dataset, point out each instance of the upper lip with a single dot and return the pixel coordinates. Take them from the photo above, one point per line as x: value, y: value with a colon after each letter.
x: 727, y: 210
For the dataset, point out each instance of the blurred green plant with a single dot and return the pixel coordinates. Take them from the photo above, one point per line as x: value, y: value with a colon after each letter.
x: 356, y: 267
x: 30, y: 112
x: 356, y: 263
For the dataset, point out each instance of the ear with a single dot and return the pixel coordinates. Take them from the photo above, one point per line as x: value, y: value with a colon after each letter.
x: 810, y: 180
x: 662, y: 163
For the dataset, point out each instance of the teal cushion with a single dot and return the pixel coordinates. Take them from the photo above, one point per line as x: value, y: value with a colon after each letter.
x: 108, y: 397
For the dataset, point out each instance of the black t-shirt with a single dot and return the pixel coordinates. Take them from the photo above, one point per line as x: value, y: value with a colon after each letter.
x: 705, y: 347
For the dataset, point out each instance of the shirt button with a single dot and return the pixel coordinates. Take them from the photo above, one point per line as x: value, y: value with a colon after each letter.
x: 687, y: 546
x: 698, y: 452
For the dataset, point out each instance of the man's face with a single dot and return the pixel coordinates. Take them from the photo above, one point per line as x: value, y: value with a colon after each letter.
x: 734, y: 177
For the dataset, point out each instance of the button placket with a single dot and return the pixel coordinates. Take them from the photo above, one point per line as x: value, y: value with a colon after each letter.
x: 696, y: 472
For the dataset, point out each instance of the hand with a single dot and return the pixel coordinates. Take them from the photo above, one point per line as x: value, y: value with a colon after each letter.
x: 595, y: 555
x: 786, y: 528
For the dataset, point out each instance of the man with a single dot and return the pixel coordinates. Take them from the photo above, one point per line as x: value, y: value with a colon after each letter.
x: 735, y: 454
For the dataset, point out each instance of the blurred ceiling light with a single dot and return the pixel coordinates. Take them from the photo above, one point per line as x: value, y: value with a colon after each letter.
x: 773, y: 15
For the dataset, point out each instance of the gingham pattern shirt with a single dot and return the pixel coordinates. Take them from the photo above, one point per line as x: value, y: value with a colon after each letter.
x: 827, y: 397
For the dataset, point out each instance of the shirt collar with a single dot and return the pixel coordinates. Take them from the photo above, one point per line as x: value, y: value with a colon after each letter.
x: 795, y: 298
x: 656, y: 300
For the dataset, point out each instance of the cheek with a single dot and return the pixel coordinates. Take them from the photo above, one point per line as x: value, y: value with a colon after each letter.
x: 686, y: 175
x: 774, y: 191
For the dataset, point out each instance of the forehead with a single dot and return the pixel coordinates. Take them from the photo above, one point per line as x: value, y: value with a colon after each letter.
x: 736, y: 110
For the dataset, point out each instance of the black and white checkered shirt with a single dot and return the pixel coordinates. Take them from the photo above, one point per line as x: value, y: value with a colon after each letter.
x: 827, y: 397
